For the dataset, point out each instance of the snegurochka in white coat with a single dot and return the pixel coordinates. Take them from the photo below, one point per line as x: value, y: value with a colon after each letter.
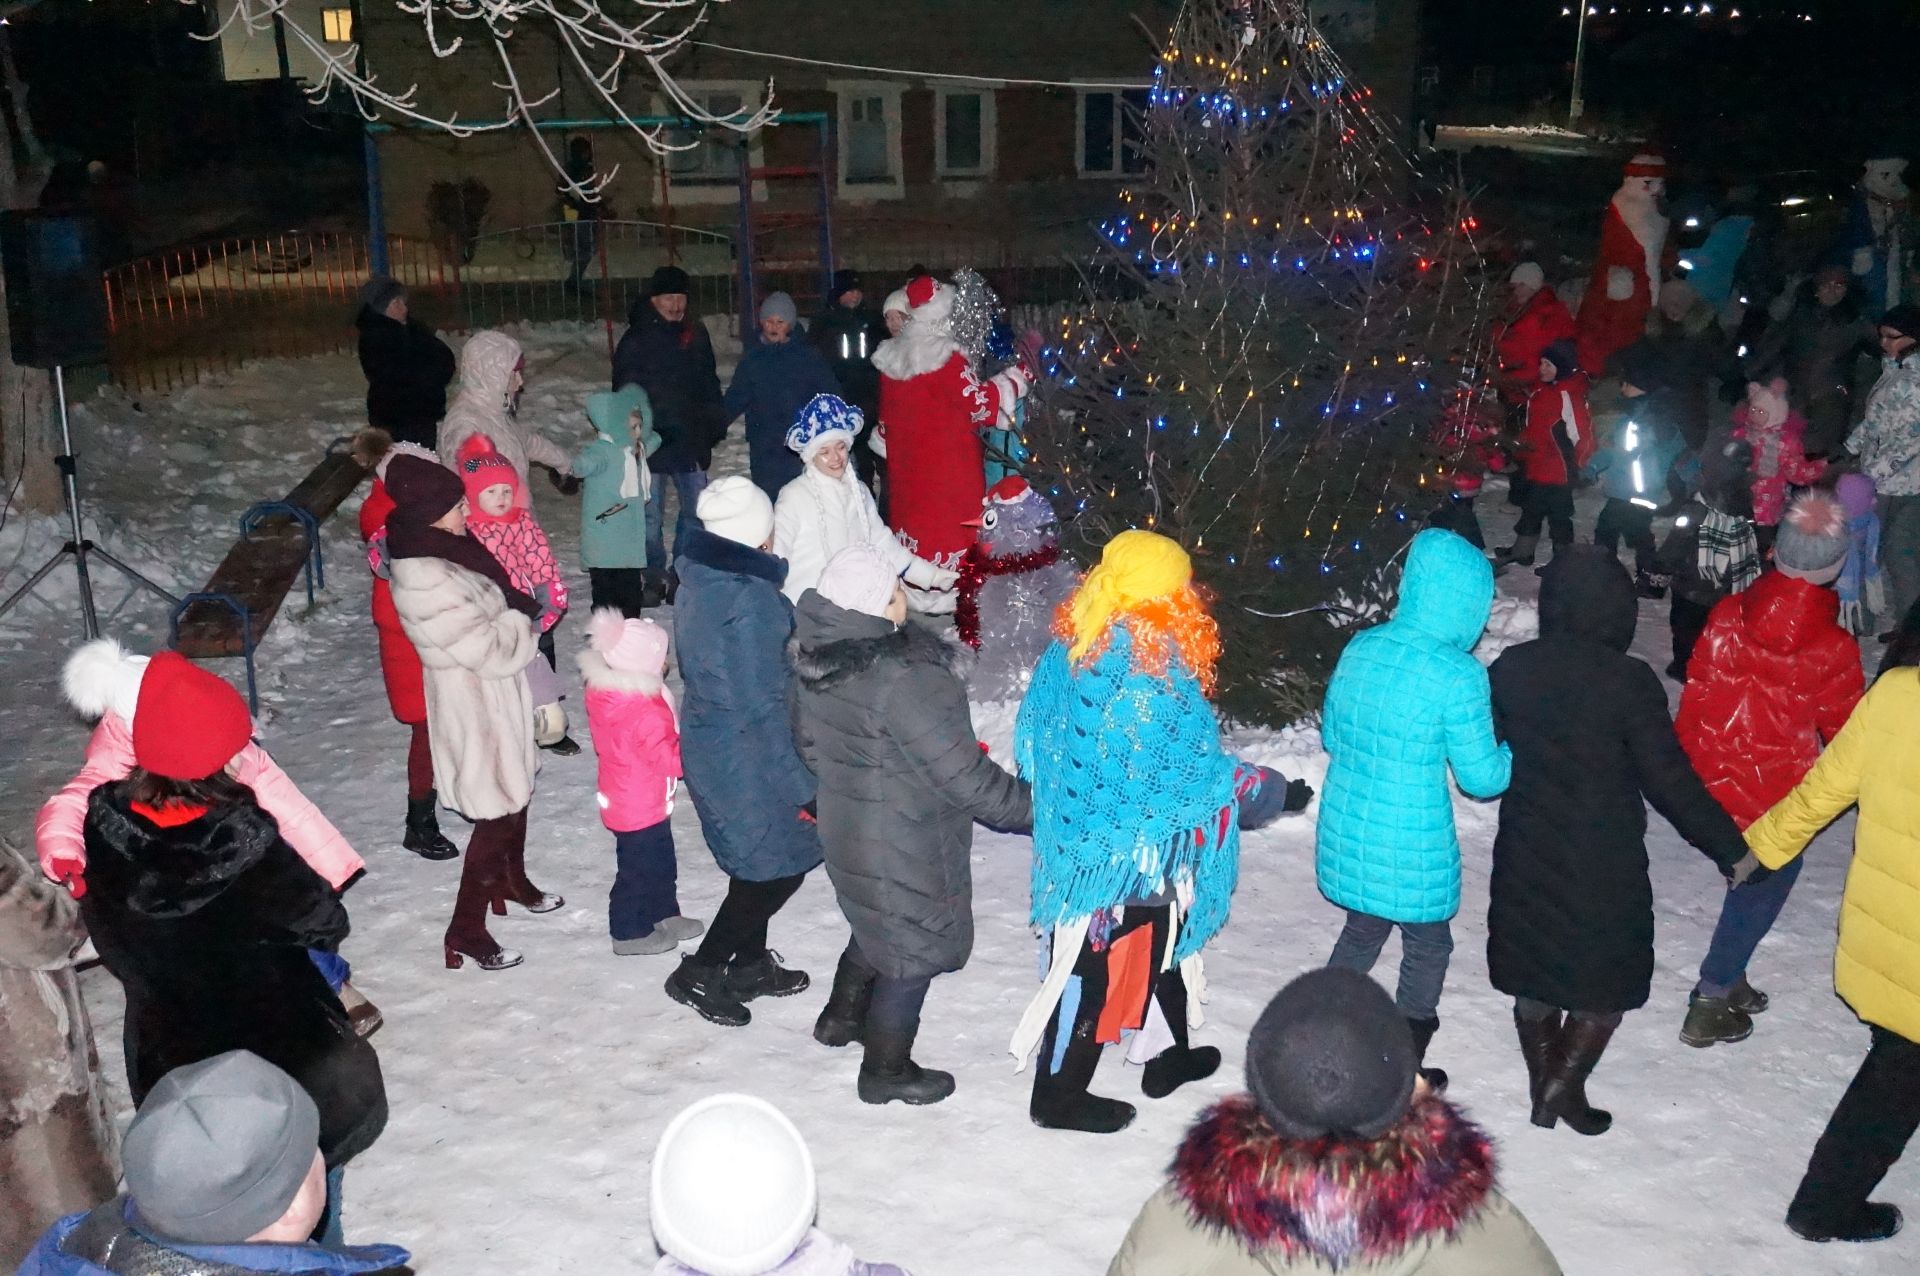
x: 827, y: 508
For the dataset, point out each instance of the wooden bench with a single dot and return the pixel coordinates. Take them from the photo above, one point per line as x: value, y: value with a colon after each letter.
x: 231, y: 613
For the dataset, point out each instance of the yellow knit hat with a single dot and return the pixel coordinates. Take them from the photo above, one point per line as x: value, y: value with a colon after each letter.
x: 1136, y: 567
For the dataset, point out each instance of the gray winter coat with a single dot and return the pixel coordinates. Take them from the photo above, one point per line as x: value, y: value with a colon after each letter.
x: 880, y: 715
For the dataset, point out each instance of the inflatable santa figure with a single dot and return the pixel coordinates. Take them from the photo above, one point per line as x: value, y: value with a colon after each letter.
x: 1879, y: 233
x: 932, y: 409
x: 1626, y: 272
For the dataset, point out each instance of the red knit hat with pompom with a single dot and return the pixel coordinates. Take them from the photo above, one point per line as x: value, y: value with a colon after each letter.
x: 187, y: 723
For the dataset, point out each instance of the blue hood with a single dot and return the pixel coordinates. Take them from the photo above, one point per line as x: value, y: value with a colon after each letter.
x: 1447, y: 589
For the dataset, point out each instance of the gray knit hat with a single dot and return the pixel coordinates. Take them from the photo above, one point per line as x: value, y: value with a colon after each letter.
x: 219, y: 1149
x: 779, y: 306
x: 1812, y: 542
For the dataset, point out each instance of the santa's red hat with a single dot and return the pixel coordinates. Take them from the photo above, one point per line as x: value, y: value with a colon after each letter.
x: 1647, y: 164
x: 187, y: 723
x: 931, y: 302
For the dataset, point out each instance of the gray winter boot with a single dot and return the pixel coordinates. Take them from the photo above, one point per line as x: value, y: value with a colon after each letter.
x: 1521, y: 551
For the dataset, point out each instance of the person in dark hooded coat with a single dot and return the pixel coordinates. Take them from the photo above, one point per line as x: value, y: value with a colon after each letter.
x: 407, y: 366
x: 1570, y: 925
x: 881, y: 718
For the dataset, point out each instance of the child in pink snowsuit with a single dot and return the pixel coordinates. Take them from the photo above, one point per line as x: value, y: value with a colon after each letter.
x: 1780, y: 461
x: 102, y: 681
x: 499, y: 517
x: 636, y: 735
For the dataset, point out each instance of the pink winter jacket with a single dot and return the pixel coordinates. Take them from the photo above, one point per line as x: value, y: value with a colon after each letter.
x: 636, y: 735
x: 58, y: 831
x: 523, y: 549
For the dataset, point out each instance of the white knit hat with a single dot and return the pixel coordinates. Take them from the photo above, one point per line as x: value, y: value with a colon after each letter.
x: 897, y: 303
x: 734, y: 508
x: 1528, y: 275
x: 733, y: 1191
x: 860, y: 579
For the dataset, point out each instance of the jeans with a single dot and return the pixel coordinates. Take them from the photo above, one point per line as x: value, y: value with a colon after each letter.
x: 739, y: 929
x: 1623, y: 520
x: 687, y: 487
x: 1745, y: 918
x: 1900, y: 552
x: 1426, y: 948
x: 328, y: 1231
x: 643, y: 893
x: 1867, y: 1132
x: 1550, y: 504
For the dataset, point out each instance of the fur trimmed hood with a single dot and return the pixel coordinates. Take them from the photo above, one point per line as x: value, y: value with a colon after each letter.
x: 701, y: 546
x: 171, y: 872
x: 831, y: 644
x: 601, y: 676
x: 1340, y: 1202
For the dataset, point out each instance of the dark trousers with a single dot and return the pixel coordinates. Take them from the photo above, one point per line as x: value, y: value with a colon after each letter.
x: 619, y: 587
x: 1687, y: 619
x: 1867, y: 1133
x: 419, y: 763
x: 738, y: 932
x: 547, y: 649
x: 1623, y: 520
x: 1528, y: 1008
x: 895, y: 1005
x: 643, y: 893
x: 1457, y: 515
x: 1550, y: 504
x: 1746, y: 915
x: 1090, y: 971
x: 1426, y: 949
x: 494, y: 868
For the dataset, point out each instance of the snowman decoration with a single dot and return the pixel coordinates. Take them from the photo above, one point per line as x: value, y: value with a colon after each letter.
x: 1878, y: 232
x: 1012, y: 580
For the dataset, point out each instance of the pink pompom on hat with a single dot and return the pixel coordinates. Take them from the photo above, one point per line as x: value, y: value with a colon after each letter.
x: 630, y: 646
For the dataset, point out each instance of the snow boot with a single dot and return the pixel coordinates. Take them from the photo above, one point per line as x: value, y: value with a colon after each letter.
x: 681, y: 928
x: 1521, y: 551
x: 1177, y: 1065
x: 1871, y: 1221
x: 423, y: 836
x: 1713, y: 1021
x: 888, y: 1072
x: 1563, y: 1089
x: 705, y: 989
x: 1539, y: 1046
x: 844, y: 1019
x: 362, y: 1015
x: 1747, y: 999
x: 550, y: 731
x: 1648, y: 585
x: 763, y: 976
x: 1423, y: 1030
x: 1060, y: 1099
x: 653, y: 588
x: 653, y: 942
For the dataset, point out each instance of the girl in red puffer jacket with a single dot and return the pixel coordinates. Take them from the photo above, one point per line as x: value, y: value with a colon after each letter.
x: 1774, y: 675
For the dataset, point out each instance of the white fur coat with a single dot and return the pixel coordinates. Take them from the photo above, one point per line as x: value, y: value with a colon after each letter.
x: 816, y: 517
x: 475, y: 650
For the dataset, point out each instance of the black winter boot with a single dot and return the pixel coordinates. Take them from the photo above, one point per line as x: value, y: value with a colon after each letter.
x: 1871, y: 1221
x: 1563, y: 1089
x: 1539, y: 1046
x: 1423, y: 1030
x: 843, y: 1021
x: 888, y: 1072
x: 1177, y: 1065
x: 1060, y: 1099
x: 423, y: 836
x: 764, y: 976
x: 1521, y: 551
x: 705, y: 988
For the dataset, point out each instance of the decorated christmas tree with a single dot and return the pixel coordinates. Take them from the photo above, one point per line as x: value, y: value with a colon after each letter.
x: 1282, y: 318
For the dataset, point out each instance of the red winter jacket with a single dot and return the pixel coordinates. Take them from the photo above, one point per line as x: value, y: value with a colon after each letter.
x: 1522, y: 341
x: 1774, y: 675
x: 1540, y: 457
x: 399, y: 662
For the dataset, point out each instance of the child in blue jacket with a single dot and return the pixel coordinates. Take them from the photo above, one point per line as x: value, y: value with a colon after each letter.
x: 1633, y: 468
x: 1408, y: 703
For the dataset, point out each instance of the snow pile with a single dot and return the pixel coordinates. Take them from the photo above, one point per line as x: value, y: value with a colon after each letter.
x: 525, y: 1105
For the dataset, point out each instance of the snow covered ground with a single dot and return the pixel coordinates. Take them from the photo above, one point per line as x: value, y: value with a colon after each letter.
x: 526, y: 1104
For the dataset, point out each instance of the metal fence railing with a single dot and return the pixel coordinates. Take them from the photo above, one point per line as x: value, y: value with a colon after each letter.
x: 179, y: 316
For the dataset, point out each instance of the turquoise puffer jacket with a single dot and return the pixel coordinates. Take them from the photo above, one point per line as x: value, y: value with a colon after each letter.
x: 1407, y: 701
x: 613, y: 528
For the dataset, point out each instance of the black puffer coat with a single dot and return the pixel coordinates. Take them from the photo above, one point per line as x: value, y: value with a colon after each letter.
x: 408, y: 369
x: 673, y: 363
x: 206, y: 925
x: 881, y: 717
x: 1571, y: 920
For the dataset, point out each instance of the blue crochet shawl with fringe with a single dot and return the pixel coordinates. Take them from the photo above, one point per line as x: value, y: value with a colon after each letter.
x: 1131, y: 790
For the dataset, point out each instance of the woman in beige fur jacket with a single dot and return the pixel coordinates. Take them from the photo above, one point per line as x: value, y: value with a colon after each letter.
x: 475, y: 635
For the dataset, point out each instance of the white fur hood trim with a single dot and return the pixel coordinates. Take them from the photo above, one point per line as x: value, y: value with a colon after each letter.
x: 103, y: 677
x: 601, y: 676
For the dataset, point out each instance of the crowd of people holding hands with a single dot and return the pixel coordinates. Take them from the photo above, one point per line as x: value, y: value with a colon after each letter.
x: 820, y: 721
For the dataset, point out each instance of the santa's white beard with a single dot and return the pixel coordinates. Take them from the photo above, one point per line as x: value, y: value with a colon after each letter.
x: 1641, y: 213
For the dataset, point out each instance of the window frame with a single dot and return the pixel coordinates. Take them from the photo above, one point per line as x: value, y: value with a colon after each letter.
x: 345, y: 15
x: 1119, y: 171
x: 714, y: 189
x: 891, y: 92
x: 989, y: 133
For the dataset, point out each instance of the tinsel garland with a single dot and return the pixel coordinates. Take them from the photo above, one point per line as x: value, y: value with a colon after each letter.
x: 976, y: 569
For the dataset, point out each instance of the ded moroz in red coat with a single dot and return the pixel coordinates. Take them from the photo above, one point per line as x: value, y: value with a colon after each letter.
x: 932, y: 409
x: 399, y: 662
x: 1774, y: 675
x: 1634, y: 255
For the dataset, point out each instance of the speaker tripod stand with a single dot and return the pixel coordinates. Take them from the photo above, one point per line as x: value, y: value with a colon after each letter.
x: 77, y: 546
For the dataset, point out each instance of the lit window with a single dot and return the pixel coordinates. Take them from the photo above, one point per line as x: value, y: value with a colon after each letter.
x: 336, y: 25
